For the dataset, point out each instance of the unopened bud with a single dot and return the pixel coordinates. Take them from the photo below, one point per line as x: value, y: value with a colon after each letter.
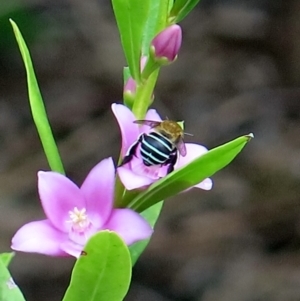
x: 130, y: 86
x: 167, y: 43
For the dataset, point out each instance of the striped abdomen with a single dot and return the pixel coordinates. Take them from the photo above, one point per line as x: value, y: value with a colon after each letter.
x: 156, y: 149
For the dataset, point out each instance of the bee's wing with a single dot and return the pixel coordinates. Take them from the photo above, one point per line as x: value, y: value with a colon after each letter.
x: 150, y: 123
x: 181, y: 147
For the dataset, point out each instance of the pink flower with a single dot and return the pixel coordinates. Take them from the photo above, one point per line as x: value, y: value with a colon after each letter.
x: 74, y: 214
x: 135, y: 174
x: 167, y: 43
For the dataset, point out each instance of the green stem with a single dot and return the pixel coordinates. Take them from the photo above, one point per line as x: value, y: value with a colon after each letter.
x: 142, y: 101
x: 143, y: 98
x: 119, y: 193
x: 123, y: 196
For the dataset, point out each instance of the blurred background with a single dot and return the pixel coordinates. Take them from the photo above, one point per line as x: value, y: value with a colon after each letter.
x: 238, y: 72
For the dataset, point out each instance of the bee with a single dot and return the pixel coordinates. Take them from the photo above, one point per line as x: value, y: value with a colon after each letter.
x: 159, y: 147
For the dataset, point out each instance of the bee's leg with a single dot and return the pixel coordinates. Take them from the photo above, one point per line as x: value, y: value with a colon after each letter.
x: 131, y: 151
x: 171, y: 161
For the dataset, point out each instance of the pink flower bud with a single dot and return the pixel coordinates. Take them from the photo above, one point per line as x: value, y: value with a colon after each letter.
x: 167, y: 43
x: 130, y: 86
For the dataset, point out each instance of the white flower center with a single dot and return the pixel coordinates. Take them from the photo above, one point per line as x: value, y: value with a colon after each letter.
x: 79, y: 219
x: 81, y: 227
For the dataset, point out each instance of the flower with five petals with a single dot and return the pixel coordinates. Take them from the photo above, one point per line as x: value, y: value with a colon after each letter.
x: 135, y: 174
x: 74, y: 214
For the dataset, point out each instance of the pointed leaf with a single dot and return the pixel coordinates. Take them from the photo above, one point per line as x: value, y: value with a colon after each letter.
x: 37, y: 106
x: 102, y: 272
x: 151, y: 215
x: 8, y: 289
x: 189, y: 175
x: 156, y: 21
x: 131, y: 16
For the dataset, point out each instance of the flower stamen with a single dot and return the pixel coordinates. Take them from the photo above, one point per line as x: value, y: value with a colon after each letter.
x: 79, y: 219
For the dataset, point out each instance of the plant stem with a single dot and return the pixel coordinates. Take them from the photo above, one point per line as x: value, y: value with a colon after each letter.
x: 144, y: 95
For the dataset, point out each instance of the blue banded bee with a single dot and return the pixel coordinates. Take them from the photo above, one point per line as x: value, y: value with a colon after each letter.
x: 160, y: 146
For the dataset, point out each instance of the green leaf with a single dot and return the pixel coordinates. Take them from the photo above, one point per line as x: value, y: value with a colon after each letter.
x: 37, y: 106
x: 103, y: 271
x: 157, y: 19
x: 8, y: 289
x: 6, y: 258
x: 189, y: 175
x: 151, y: 215
x: 131, y: 16
x: 181, y: 9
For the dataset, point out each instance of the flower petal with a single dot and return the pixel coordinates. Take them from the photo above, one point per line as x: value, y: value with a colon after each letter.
x: 129, y: 225
x: 138, y: 167
x: 132, y: 180
x: 98, y: 190
x: 39, y: 237
x: 151, y: 115
x: 192, y: 152
x: 129, y: 130
x: 58, y: 195
x: 205, y: 184
x: 71, y: 248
